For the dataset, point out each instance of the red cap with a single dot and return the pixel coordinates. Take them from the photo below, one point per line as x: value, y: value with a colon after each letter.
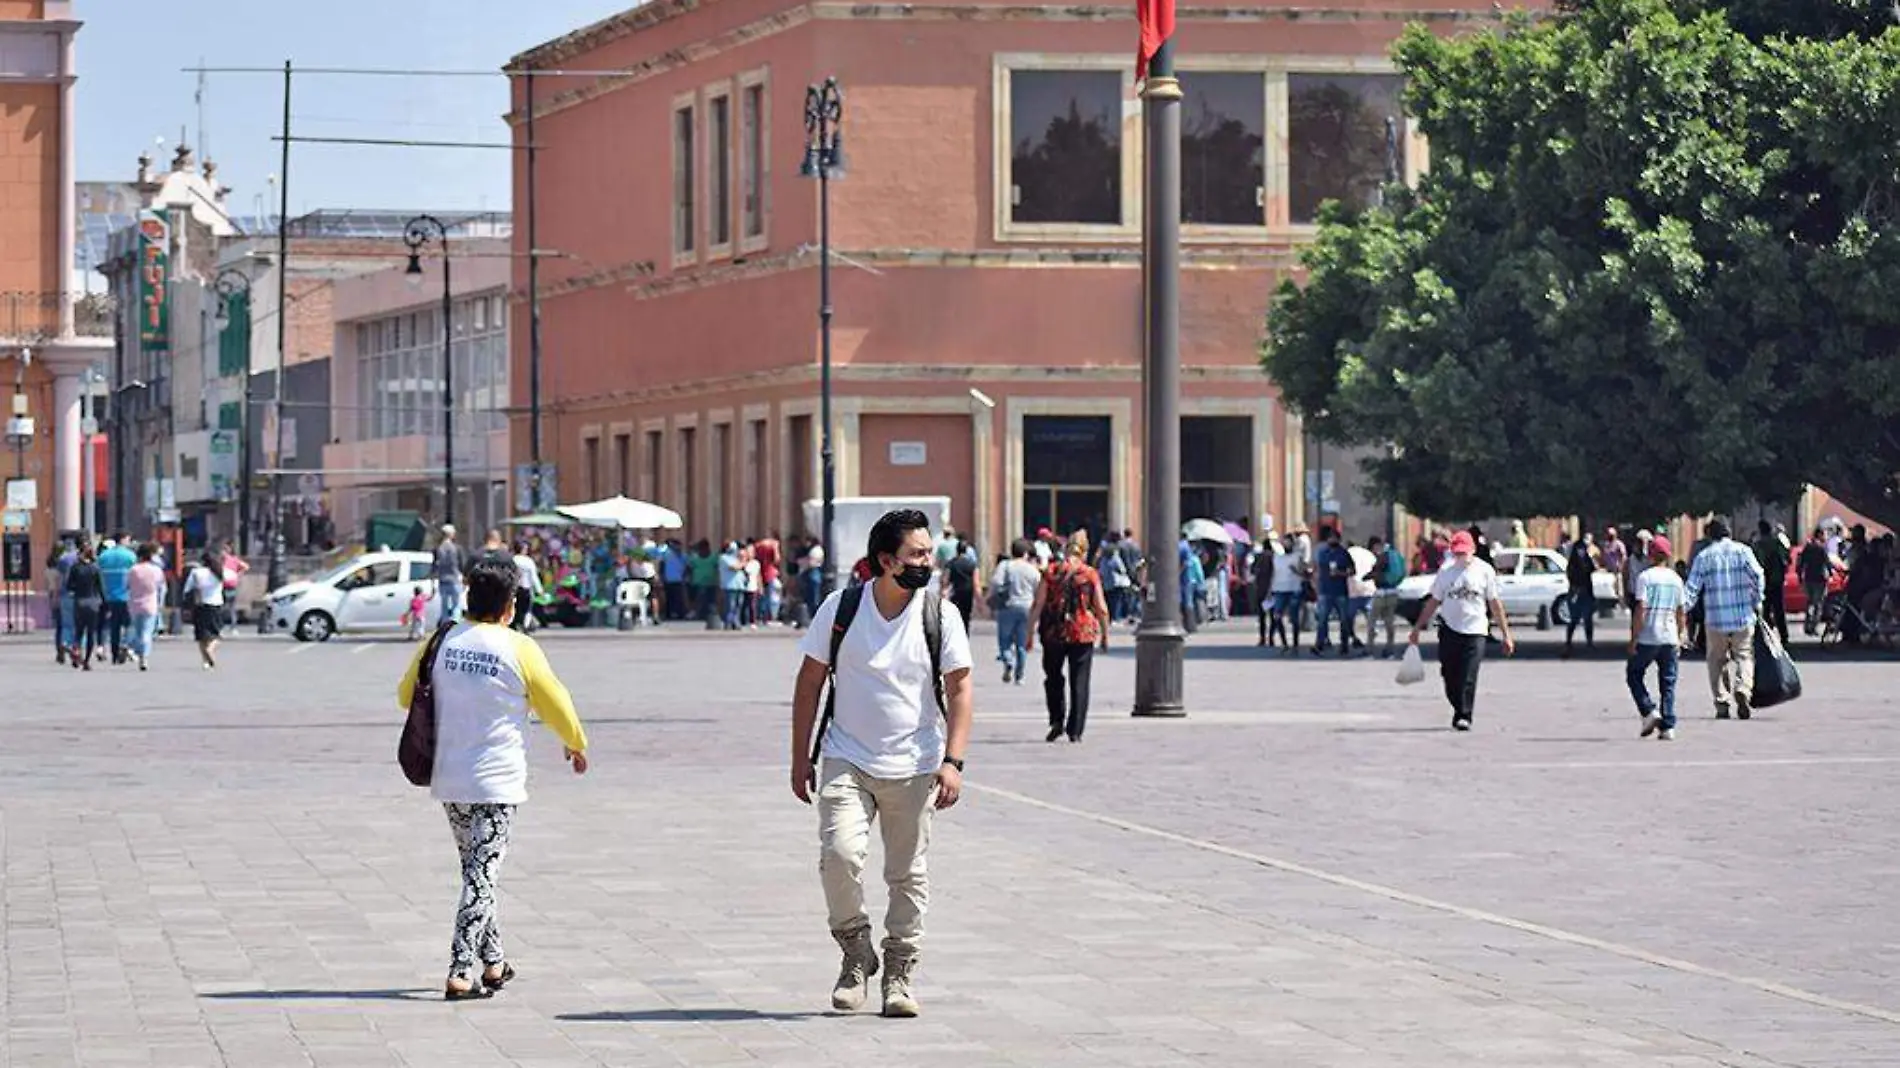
x: 1461, y: 542
x: 1043, y: 532
x: 1659, y: 546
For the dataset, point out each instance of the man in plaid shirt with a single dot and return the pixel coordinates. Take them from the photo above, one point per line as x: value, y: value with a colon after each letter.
x: 1727, y: 581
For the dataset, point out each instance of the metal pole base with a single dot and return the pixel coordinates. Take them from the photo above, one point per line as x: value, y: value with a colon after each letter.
x: 1160, y: 655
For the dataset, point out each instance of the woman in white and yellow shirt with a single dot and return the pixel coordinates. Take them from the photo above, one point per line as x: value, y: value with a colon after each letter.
x: 487, y: 679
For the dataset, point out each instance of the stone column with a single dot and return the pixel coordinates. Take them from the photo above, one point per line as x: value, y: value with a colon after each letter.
x: 67, y: 412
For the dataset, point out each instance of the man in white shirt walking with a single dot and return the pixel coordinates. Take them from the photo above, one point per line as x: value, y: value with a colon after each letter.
x: 890, y: 749
x: 1657, y: 623
x: 1465, y: 590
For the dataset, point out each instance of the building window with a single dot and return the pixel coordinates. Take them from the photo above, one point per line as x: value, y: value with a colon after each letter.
x: 650, y: 480
x: 1065, y: 136
x: 688, y: 488
x: 1216, y: 467
x: 590, y: 463
x: 1067, y: 472
x: 752, y: 162
x: 684, y: 180
x: 719, y: 153
x: 760, y: 519
x: 799, y: 459
x: 721, y: 481
x: 623, y: 463
x: 1336, y: 145
x: 1223, y: 149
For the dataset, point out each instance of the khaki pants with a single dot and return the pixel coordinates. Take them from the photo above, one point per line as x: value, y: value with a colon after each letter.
x: 1731, y: 666
x: 848, y: 802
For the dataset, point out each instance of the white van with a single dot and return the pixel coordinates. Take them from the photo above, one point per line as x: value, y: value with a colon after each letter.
x: 368, y: 595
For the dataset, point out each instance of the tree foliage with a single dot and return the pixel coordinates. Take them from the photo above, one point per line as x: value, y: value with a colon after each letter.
x: 1654, y: 269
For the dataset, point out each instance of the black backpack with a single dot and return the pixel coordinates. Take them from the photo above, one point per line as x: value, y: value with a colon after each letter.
x: 848, y: 603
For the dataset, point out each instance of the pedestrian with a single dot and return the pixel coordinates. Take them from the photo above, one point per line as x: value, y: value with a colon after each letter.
x: 145, y: 594
x: 86, y: 587
x: 1071, y: 618
x: 1387, y: 572
x: 732, y: 585
x: 1287, y: 588
x: 1614, y: 557
x: 204, y: 593
x: 232, y: 569
x: 890, y: 749
x: 1130, y: 552
x: 1013, y: 586
x: 1771, y: 552
x: 1519, y: 539
x: 1727, y: 582
x: 1465, y: 597
x: 1657, y: 625
x: 417, y: 613
x: 487, y: 679
x: 59, y: 603
x: 959, y: 580
x: 1334, y: 568
x: 1361, y: 591
x: 115, y: 567
x: 1816, y: 566
x: 449, y: 565
x: 754, y: 586
x: 527, y: 588
x: 1580, y: 567
x: 772, y: 584
x: 1115, y: 578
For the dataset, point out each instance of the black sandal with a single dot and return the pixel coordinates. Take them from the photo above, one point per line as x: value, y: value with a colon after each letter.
x: 507, y: 976
x: 476, y: 992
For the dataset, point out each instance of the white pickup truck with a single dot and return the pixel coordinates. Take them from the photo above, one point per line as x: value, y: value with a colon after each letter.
x: 1533, y: 584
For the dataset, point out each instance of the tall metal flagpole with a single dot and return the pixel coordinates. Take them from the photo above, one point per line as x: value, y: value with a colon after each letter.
x: 1160, y: 642
x: 534, y: 318
x: 277, y: 572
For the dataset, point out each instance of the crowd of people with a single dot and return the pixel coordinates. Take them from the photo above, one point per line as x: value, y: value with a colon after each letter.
x: 109, y: 597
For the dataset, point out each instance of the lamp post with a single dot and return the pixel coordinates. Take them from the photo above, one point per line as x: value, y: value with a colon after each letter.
x: 1391, y: 179
x: 1160, y: 644
x: 824, y: 160
x: 422, y: 230
x: 230, y: 284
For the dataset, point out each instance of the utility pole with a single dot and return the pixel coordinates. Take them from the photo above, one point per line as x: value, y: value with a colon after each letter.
x: 534, y: 317
x: 278, y: 574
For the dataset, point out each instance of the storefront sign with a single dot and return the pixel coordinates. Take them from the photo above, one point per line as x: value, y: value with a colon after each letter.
x: 154, y: 282
x: 23, y: 494
x: 223, y: 465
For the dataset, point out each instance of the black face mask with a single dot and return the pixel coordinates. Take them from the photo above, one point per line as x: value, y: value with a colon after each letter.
x: 913, y: 576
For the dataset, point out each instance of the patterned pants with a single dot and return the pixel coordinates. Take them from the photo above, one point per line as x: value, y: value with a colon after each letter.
x: 481, y: 835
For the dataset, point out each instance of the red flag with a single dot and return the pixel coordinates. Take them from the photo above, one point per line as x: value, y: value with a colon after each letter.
x: 1157, y: 25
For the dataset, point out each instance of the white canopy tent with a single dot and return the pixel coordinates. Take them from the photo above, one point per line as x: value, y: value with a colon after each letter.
x: 623, y: 512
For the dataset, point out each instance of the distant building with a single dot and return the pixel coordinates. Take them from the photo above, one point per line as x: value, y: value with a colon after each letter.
x: 987, y: 237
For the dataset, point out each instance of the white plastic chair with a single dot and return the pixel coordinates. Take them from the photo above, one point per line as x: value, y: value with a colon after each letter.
x: 634, y: 595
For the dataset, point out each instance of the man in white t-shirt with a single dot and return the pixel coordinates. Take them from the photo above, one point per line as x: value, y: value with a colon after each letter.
x: 1464, y: 597
x: 1657, y: 623
x: 890, y: 749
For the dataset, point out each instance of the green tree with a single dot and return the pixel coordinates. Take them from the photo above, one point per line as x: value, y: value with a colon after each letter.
x: 1654, y: 269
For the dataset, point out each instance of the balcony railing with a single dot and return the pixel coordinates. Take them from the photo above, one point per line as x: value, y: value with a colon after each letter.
x: 37, y: 318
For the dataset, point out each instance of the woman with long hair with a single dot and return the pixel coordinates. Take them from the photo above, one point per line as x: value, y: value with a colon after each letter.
x: 86, y: 590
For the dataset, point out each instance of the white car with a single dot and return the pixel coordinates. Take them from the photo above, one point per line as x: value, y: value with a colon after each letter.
x: 1532, y: 581
x: 368, y: 595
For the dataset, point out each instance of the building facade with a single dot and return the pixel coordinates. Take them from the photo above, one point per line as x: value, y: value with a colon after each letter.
x: 387, y: 452
x: 986, y: 271
x: 54, y: 336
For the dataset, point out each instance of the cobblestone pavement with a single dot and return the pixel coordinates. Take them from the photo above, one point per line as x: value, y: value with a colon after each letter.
x: 1310, y: 870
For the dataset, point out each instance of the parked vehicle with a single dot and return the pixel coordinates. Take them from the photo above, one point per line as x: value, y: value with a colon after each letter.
x: 1795, y: 596
x: 367, y: 595
x: 1532, y: 582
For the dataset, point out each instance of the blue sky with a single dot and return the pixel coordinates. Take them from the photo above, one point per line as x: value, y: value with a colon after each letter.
x: 132, y: 92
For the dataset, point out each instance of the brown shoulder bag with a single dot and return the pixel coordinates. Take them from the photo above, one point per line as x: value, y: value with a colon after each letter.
x: 416, y: 751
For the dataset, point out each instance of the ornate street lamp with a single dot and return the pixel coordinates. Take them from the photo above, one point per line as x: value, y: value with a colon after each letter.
x: 421, y: 231
x: 824, y: 161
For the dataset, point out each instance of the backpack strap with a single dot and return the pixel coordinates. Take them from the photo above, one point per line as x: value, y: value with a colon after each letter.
x: 848, y: 602
x: 933, y: 639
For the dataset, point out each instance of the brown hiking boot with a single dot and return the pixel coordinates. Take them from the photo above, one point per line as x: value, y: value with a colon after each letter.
x: 899, y: 1001
x: 854, y: 974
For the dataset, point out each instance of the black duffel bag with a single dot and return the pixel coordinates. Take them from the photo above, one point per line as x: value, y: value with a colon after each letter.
x: 1776, y: 680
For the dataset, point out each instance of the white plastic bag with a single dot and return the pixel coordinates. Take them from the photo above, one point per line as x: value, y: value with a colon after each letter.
x: 1412, y: 667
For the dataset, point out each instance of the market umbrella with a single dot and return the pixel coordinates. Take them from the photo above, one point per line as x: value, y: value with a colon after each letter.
x: 1206, y: 530
x: 624, y: 512
x: 1240, y: 534
x: 539, y: 519
x: 1362, y: 561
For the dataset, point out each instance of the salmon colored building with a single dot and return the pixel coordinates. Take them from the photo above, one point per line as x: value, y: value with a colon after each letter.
x: 51, y: 332
x: 986, y: 238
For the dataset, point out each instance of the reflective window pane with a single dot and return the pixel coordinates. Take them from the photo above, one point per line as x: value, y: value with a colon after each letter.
x: 1223, y: 142
x: 1065, y: 146
x: 1336, y: 143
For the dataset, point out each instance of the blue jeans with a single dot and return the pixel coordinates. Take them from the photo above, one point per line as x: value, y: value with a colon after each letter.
x: 1583, y: 609
x: 143, y: 627
x: 1665, y: 658
x: 1356, y: 607
x: 451, y: 593
x: 1333, y: 606
x: 735, y: 601
x: 1012, y: 638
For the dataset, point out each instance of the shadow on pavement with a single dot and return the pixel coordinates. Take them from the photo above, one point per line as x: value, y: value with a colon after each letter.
x: 688, y: 1016
x: 419, y: 994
